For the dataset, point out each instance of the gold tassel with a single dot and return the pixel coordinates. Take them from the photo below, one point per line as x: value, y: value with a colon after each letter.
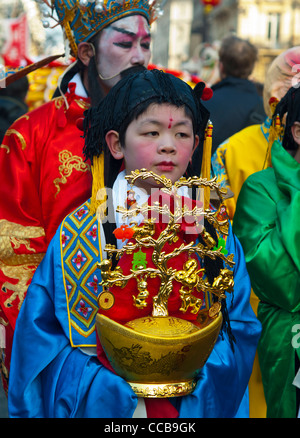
x: 274, y: 134
x: 274, y: 131
x: 69, y: 35
x: 98, y: 199
x: 206, y: 162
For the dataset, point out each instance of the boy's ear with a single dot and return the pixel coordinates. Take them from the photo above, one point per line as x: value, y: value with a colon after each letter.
x: 196, y: 143
x: 114, y: 145
x: 296, y: 132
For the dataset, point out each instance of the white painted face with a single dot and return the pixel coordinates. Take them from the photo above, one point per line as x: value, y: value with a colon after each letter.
x: 123, y: 44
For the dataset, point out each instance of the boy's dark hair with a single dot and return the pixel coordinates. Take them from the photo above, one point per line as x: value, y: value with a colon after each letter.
x: 238, y: 57
x: 139, y: 110
x: 289, y: 105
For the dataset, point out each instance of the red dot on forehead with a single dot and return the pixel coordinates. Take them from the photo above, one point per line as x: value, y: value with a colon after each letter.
x: 170, y: 124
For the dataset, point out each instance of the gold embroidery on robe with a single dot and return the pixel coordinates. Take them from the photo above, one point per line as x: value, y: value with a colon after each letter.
x: 4, y: 323
x: 82, y: 104
x: 58, y: 102
x: 20, y: 137
x: 69, y: 162
x: 25, y: 116
x: 14, y: 131
x: 19, y: 267
x: 4, y: 146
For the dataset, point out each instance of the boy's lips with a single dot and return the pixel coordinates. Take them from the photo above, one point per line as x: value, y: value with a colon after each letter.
x: 166, y: 166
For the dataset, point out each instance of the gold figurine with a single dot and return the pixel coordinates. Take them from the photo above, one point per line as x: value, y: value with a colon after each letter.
x: 159, y: 338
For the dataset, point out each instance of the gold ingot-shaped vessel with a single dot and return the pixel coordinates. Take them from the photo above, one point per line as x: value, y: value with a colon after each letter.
x: 159, y: 356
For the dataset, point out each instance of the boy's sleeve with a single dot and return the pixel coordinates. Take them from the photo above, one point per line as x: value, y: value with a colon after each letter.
x: 49, y: 378
x: 221, y: 390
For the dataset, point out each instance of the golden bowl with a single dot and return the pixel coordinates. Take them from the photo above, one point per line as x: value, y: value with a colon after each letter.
x: 159, y: 356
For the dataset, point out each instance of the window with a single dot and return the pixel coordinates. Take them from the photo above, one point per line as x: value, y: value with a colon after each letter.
x: 273, y: 27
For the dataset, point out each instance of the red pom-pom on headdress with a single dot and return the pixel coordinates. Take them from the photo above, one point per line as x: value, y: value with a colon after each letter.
x: 207, y: 93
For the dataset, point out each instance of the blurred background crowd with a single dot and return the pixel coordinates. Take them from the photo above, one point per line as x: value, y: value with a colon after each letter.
x: 187, y: 39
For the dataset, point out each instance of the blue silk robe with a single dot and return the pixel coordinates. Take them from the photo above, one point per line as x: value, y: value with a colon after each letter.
x: 55, y: 371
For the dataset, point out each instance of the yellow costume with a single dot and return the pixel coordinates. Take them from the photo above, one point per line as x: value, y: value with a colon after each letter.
x: 234, y: 160
x: 238, y: 157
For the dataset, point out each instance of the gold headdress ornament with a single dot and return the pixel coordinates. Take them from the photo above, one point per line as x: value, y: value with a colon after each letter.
x: 206, y: 161
x: 82, y: 19
x: 275, y: 131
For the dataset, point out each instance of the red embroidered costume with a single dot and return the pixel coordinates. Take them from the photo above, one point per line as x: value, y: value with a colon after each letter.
x: 44, y: 178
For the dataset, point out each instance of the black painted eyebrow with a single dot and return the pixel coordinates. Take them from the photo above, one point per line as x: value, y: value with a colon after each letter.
x: 126, y: 32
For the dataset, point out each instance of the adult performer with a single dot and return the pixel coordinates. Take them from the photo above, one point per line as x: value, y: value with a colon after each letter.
x: 43, y: 170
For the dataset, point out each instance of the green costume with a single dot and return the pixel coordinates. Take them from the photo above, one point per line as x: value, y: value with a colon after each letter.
x: 267, y: 223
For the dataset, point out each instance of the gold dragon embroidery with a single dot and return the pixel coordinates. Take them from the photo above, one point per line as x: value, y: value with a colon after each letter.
x: 18, y: 267
x: 69, y: 162
x: 20, y: 137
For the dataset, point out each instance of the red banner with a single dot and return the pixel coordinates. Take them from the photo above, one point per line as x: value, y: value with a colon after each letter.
x: 15, y: 50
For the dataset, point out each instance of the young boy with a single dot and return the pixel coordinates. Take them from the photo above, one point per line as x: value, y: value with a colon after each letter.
x: 149, y: 120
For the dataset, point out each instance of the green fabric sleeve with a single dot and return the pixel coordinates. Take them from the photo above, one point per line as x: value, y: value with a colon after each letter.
x: 267, y: 224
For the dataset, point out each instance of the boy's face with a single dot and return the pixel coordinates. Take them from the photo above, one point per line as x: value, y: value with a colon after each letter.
x: 296, y: 137
x: 125, y: 43
x: 161, y: 140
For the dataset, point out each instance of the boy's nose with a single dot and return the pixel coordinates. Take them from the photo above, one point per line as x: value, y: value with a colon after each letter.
x: 167, y: 147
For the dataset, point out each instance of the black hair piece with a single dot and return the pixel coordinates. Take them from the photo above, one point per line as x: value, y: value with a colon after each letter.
x: 198, y: 90
x: 95, y: 91
x: 213, y: 268
x: 94, y: 130
x: 290, y: 105
x: 123, y: 98
x: 132, y: 70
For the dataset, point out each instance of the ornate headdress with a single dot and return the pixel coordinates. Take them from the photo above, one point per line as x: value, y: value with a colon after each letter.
x: 282, y: 74
x: 82, y: 19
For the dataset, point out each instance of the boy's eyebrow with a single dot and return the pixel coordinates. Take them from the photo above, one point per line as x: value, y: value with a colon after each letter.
x: 187, y: 121
x: 127, y: 32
